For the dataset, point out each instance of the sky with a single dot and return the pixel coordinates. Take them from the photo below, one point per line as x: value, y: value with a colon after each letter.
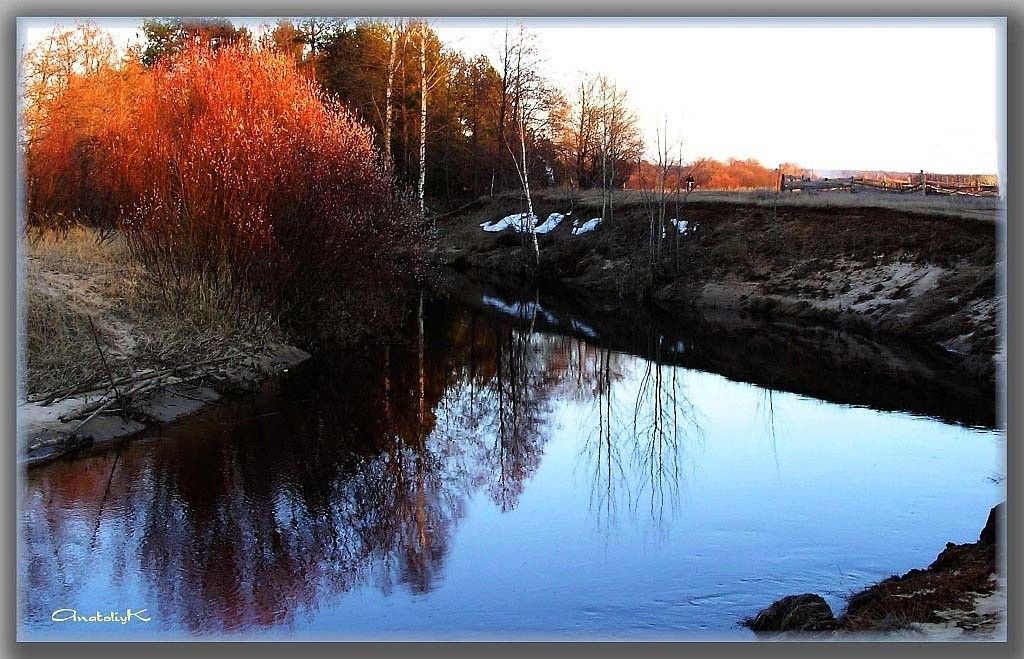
x: 898, y: 95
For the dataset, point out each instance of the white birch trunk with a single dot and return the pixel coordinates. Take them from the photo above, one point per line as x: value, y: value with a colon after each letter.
x: 423, y: 118
x: 524, y: 174
x: 388, y: 91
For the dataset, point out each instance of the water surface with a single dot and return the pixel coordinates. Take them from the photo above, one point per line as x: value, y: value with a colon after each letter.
x: 520, y: 468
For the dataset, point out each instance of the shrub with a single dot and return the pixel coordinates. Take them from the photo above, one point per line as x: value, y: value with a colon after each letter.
x: 226, y: 170
x: 70, y: 177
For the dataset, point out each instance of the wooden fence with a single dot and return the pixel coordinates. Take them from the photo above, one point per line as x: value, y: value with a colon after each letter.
x: 921, y: 183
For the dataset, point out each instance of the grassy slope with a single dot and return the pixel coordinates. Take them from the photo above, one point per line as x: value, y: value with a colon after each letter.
x: 74, y: 278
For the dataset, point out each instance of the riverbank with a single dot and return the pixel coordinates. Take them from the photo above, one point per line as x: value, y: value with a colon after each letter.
x: 883, y: 373
x: 106, y: 357
x: 960, y: 596
x: 921, y: 269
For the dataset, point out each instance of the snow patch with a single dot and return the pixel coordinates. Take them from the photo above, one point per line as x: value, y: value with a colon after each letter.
x: 521, y: 222
x: 682, y: 226
x: 518, y: 221
x: 583, y: 328
x: 514, y: 308
x: 586, y: 227
x: 552, y: 222
x: 519, y: 309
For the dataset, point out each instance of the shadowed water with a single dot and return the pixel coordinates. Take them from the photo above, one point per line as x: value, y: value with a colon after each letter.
x: 521, y: 468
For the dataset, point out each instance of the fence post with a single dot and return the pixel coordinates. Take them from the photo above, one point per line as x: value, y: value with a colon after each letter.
x: 924, y: 184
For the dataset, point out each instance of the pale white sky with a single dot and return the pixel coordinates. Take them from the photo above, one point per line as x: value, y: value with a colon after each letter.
x: 829, y: 94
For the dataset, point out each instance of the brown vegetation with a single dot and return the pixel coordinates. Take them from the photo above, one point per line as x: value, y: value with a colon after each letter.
x: 91, y: 309
x: 711, y: 174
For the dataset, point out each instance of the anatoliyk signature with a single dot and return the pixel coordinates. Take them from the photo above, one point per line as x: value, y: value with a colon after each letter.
x: 72, y: 615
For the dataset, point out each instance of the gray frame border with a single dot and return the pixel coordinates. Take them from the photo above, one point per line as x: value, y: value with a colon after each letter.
x: 753, y: 9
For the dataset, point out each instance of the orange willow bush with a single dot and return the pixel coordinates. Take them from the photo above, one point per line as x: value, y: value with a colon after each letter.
x: 70, y: 177
x: 228, y: 172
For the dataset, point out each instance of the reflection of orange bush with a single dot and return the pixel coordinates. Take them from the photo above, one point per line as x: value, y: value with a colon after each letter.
x: 732, y: 174
x: 225, y: 166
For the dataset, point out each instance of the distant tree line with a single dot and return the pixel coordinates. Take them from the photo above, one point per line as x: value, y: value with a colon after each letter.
x: 711, y: 174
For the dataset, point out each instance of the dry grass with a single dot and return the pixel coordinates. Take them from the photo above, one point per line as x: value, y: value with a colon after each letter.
x: 981, y: 208
x: 952, y: 582
x: 56, y: 336
x: 72, y: 277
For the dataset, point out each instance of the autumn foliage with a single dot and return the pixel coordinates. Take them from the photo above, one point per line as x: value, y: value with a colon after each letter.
x: 227, y: 170
x: 710, y: 174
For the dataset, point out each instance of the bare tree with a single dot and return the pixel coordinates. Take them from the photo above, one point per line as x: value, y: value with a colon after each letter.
x: 423, y: 117
x: 619, y: 139
x: 663, y: 183
x: 657, y: 192
x: 526, y: 97
x: 584, y: 128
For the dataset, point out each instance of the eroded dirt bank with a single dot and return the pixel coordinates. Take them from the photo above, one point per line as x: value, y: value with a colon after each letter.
x: 927, y: 277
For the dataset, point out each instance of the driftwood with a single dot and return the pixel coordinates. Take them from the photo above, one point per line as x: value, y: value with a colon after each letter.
x: 100, y: 388
x: 146, y: 386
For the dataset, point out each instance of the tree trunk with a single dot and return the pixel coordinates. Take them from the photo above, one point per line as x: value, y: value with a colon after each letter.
x: 423, y: 118
x: 388, y: 92
x: 604, y: 169
x: 534, y: 247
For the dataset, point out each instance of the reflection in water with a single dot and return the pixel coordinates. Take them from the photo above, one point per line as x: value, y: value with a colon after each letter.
x: 354, y: 473
x: 316, y: 490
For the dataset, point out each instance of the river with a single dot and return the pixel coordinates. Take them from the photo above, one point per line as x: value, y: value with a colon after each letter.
x: 521, y: 467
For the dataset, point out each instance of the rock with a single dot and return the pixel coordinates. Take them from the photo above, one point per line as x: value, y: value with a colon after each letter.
x: 990, y: 534
x: 795, y: 613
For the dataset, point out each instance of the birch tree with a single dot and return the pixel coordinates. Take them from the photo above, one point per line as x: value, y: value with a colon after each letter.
x: 428, y: 79
x: 393, y: 32
x: 423, y: 117
x: 520, y: 64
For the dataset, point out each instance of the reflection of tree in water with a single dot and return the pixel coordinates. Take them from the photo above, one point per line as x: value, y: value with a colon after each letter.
x: 354, y: 473
x: 638, y: 454
x: 769, y: 415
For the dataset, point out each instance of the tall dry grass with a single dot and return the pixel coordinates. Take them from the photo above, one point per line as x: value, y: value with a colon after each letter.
x: 82, y: 289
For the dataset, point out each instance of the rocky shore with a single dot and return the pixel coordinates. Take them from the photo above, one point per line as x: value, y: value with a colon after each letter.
x: 960, y: 596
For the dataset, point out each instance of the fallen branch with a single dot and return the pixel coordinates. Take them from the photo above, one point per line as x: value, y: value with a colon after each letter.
x: 94, y: 387
x: 148, y: 386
